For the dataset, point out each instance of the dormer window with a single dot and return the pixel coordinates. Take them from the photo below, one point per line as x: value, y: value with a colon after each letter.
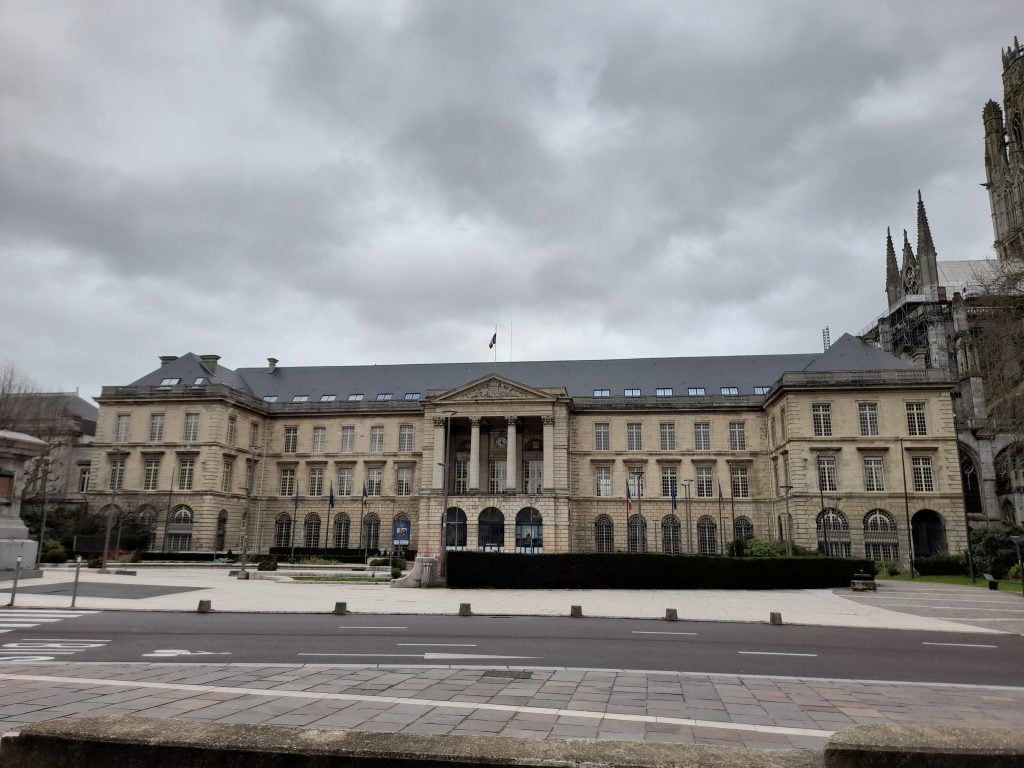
x: 601, y: 393
x: 383, y: 395
x: 412, y: 395
x: 695, y: 391
x: 300, y: 398
x: 169, y: 382
x: 631, y: 393
x: 328, y: 398
x: 663, y: 392
x: 730, y: 390
x: 355, y: 396
x: 200, y: 380
x: 761, y: 390
x: 270, y: 398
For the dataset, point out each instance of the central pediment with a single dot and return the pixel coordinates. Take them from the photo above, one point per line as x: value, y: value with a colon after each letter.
x: 493, y: 388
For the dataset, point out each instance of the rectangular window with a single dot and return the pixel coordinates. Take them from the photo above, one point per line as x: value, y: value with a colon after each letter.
x: 151, y: 475
x: 705, y: 482
x: 412, y: 395
x: 169, y: 382
x: 702, y: 436
x: 603, y: 481
x: 405, y: 437
x: 348, y: 439
x: 601, y: 393
x: 634, y: 436
x: 254, y: 435
x: 874, y: 475
x: 156, y: 427
x: 533, y: 476
x: 403, y: 481
x: 316, y: 481
x: 232, y: 431
x: 355, y: 397
x: 669, y: 481
x: 373, y: 481
x: 667, y: 436
x: 461, y: 476
x: 319, y: 439
x: 121, y: 432
x: 737, y: 436
x: 729, y: 390
x: 300, y: 398
x: 822, y: 415
x: 227, y: 470
x: 635, y: 481
x: 291, y: 439
x: 186, y: 474
x: 783, y: 423
x: 632, y: 393
x: 827, y: 480
x: 601, y: 437
x: 250, y: 472
x: 663, y: 392
x: 785, y: 469
x: 116, y: 474
x: 740, y: 482
x: 287, y: 482
x: 344, y: 481
x: 762, y: 390
x: 868, y: 415
x: 376, y: 439
x: 773, y: 431
x: 83, y: 479
x: 190, y: 432
x: 695, y: 391
x: 496, y: 477
x: 923, y: 482
x: 384, y: 395
x: 328, y: 398
x: 915, y: 419
x: 270, y: 398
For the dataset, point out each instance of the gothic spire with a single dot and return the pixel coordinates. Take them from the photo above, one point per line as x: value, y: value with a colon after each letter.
x: 910, y: 268
x: 926, y: 255
x: 892, y: 272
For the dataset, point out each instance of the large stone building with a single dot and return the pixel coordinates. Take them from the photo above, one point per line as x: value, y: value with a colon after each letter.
x: 933, y: 307
x: 838, y: 450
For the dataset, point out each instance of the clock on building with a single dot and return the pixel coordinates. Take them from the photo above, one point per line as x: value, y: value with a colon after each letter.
x: 500, y: 441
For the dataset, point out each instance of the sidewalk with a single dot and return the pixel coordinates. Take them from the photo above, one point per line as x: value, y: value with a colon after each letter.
x: 180, y: 589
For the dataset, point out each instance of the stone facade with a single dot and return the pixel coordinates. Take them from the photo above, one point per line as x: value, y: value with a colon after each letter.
x: 537, y: 465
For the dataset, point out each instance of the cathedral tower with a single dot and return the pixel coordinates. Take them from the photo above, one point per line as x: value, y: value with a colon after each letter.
x: 1004, y: 157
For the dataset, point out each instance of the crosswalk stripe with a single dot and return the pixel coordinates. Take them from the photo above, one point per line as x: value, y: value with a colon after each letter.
x: 11, y: 625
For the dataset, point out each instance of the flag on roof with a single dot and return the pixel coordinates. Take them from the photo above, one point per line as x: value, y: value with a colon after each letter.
x: 494, y: 340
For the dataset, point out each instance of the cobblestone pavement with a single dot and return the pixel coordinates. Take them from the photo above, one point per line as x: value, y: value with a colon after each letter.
x: 1002, y: 611
x: 752, y: 711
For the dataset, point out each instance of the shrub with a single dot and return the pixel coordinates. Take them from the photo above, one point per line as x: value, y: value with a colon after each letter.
x: 647, y: 571
x: 762, y: 548
x: 993, y: 551
x: 56, y: 555
x: 267, y: 565
x: 396, y: 572
x: 893, y: 569
x: 941, y: 565
x: 1014, y: 573
x: 394, y: 562
x: 96, y: 562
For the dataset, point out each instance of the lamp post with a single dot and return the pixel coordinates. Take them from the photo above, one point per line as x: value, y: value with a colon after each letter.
x: 42, y: 526
x: 1017, y: 541
x: 906, y: 508
x: 442, y: 558
x: 789, y: 522
x: 250, y: 473
x: 686, y: 505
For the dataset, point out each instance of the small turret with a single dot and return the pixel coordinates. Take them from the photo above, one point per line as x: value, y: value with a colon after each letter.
x: 910, y: 271
x: 893, y: 289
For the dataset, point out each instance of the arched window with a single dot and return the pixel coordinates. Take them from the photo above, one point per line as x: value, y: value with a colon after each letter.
x: 743, y: 529
x: 881, y: 540
x: 455, y: 529
x: 529, y: 531
x: 833, y: 533
x: 636, y: 534
x: 371, y: 528
x: 707, y: 536
x: 179, y: 530
x: 491, y: 530
x: 342, y: 527
x: 283, y: 530
x: 604, y: 534
x: 222, y: 531
x: 311, y: 531
x: 929, y: 533
x: 671, y: 543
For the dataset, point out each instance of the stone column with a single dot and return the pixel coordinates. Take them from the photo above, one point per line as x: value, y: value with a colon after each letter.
x: 439, y: 453
x: 510, y: 457
x: 549, y: 452
x: 15, y: 449
x: 474, y: 454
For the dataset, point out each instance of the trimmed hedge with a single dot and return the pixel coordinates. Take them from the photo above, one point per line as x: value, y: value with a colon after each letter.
x: 941, y: 565
x: 648, y: 571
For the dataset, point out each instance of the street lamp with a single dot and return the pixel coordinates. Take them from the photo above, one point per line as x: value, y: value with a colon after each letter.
x: 250, y: 473
x: 444, y: 483
x: 686, y: 505
x: 42, y: 526
x: 789, y: 521
x: 1017, y: 540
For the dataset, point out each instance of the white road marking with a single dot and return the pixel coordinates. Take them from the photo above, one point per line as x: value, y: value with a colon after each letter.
x: 34, y: 619
x: 12, y: 625
x: 774, y: 653
x: 32, y: 612
x: 167, y: 653
x: 314, y: 695
x: 964, y: 645
x: 438, y: 645
x: 642, y: 632
x: 957, y: 608
x: 420, y: 655
x: 349, y: 627
x: 13, y: 651
x: 71, y: 640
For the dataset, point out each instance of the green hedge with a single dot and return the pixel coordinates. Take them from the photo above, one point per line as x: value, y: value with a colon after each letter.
x: 648, y: 571
x: 941, y: 565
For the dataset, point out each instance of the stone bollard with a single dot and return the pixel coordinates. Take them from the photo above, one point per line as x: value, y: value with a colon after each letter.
x: 576, y: 611
x: 340, y: 609
x: 204, y: 607
x: 671, y: 614
x: 465, y: 610
x: 775, y: 618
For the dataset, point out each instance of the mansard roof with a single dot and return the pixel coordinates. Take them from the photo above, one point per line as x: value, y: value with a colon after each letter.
x: 579, y: 378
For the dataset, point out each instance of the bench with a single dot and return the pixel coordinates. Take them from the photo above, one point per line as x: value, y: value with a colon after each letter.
x: 993, y: 582
x: 863, y: 582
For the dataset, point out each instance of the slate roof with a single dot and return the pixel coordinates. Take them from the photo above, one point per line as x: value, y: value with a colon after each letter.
x: 578, y: 377
x: 965, y: 276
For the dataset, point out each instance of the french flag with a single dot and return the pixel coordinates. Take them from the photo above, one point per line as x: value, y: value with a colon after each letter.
x: 494, y: 340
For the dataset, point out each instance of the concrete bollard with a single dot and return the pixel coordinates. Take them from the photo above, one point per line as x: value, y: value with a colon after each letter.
x: 576, y: 611
x: 465, y: 610
x: 340, y: 609
x: 204, y: 607
x: 671, y: 614
x: 775, y: 618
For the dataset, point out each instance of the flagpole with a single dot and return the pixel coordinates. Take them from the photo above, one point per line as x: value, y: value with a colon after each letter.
x: 510, y: 342
x: 720, y: 526
x: 495, y: 343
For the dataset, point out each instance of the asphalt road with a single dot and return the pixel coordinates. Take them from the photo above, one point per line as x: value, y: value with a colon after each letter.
x: 126, y: 636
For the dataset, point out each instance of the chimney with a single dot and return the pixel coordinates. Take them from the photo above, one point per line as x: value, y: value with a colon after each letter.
x: 167, y: 359
x: 271, y: 364
x: 209, y: 362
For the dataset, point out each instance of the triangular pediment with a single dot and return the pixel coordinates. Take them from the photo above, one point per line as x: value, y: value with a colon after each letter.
x: 493, y: 388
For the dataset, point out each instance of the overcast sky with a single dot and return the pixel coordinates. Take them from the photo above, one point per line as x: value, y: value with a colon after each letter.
x: 384, y: 182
